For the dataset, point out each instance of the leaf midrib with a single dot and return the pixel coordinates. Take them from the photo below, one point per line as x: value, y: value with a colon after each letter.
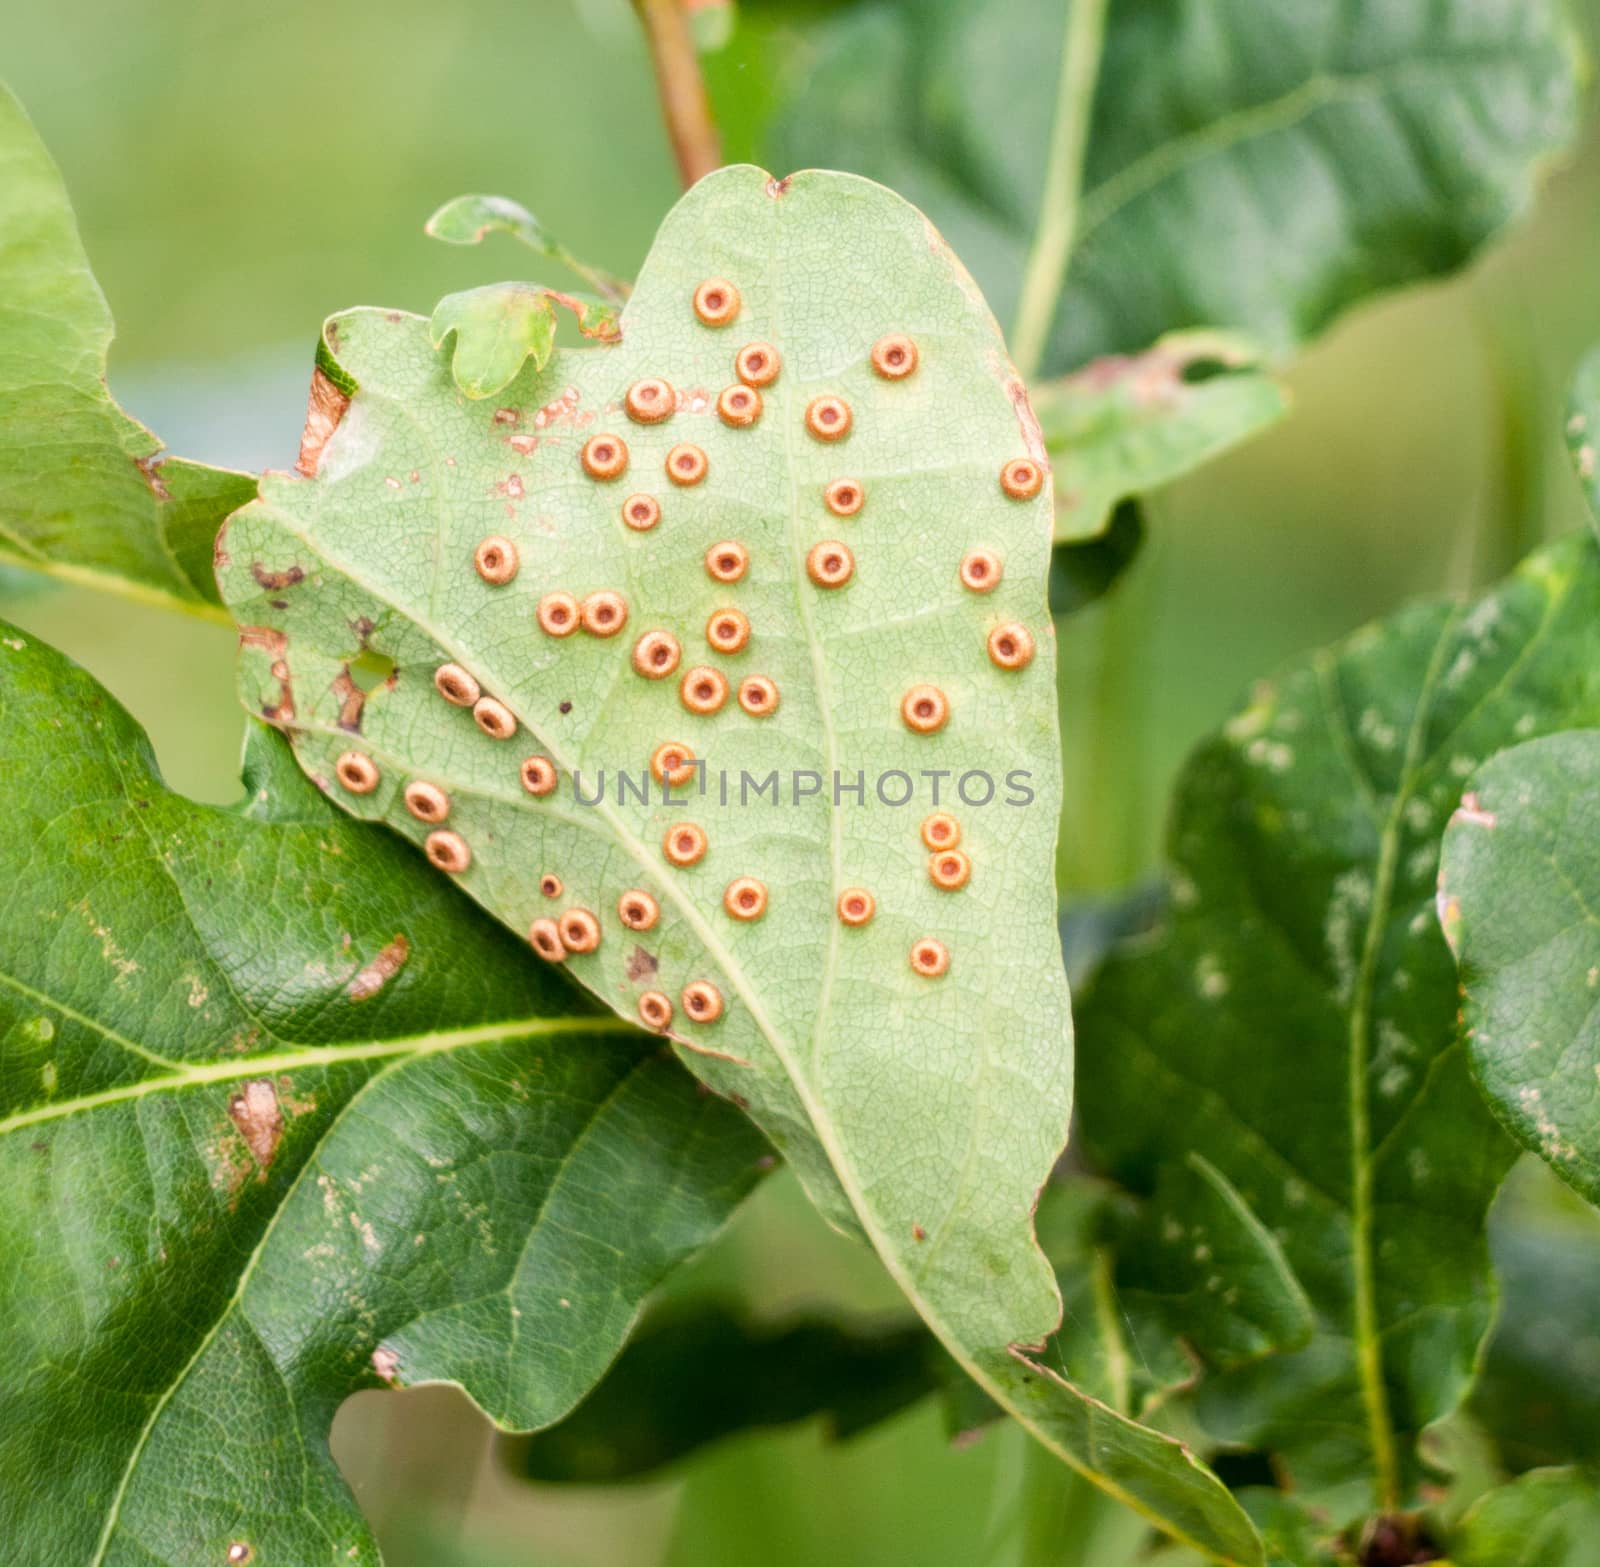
x: 1368, y: 1334
x: 298, y: 1059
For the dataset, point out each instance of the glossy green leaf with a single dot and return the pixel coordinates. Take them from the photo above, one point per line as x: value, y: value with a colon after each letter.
x: 85, y: 491
x: 1545, y: 1518
x: 1257, y: 166
x: 700, y: 1375
x: 469, y: 220
x: 282, y: 1116
x: 1519, y: 899
x: 1296, y: 1017
x: 1081, y: 574
x: 1538, y: 1392
x: 1154, y: 1296
x: 881, y: 1085
x: 1126, y: 425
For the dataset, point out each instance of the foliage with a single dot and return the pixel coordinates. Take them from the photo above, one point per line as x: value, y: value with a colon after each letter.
x: 281, y: 1117
x: 284, y: 1115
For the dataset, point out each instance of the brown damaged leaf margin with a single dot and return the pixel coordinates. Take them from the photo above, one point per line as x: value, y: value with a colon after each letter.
x: 325, y: 409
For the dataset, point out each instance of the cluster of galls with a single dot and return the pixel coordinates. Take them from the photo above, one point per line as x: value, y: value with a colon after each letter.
x: 703, y: 689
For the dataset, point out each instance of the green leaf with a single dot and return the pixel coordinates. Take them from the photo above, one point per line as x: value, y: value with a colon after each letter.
x: 86, y: 492
x: 881, y: 1085
x: 1198, y: 1270
x: 1519, y: 900
x: 1538, y: 1393
x: 1153, y: 1296
x: 1295, y: 1022
x: 281, y: 1117
x: 697, y: 1376
x: 469, y: 220
x: 1583, y: 430
x: 1083, y: 573
x: 1546, y: 1518
x: 496, y: 328
x: 1262, y: 168
x: 1127, y: 425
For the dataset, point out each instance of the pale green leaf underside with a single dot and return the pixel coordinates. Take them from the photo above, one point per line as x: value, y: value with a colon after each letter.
x: 469, y: 220
x: 84, y: 490
x: 1298, y: 1015
x: 1257, y: 164
x: 1519, y: 896
x: 925, y: 1112
x: 282, y: 1116
x: 496, y: 329
x: 1126, y: 425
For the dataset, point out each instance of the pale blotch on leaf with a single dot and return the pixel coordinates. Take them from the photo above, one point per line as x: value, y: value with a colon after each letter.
x: 372, y: 977
x: 258, y: 1120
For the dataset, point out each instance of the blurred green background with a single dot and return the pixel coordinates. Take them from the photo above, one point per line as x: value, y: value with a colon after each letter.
x: 240, y: 174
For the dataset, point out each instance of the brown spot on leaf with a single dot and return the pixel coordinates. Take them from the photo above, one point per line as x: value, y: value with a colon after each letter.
x: 1027, y: 421
x: 276, y: 581
x: 255, y: 1114
x: 150, y: 467
x: 325, y: 407
x: 351, y: 701
x: 376, y: 974
x: 641, y: 965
